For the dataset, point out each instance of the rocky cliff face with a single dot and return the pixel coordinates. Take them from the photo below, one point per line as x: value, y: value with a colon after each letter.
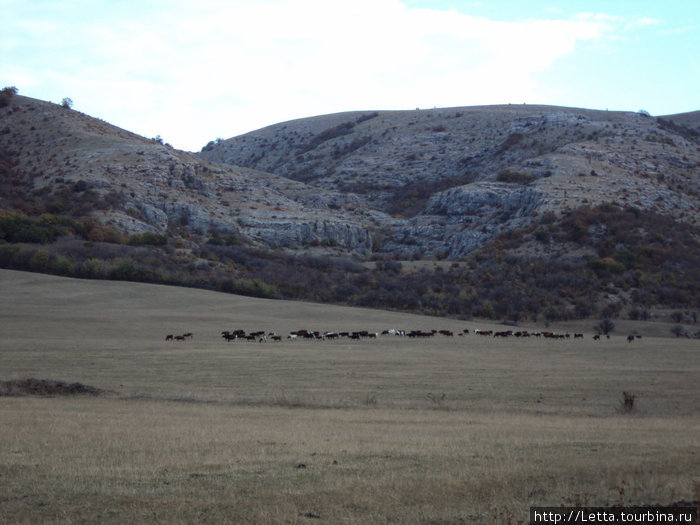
x: 444, y: 181
x: 391, y: 183
x: 135, y: 185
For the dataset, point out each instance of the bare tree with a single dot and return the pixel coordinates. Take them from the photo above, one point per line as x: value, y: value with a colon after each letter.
x: 678, y: 330
x: 605, y: 326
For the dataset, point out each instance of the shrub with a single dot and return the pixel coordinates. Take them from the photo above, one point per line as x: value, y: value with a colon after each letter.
x: 147, y: 239
x: 542, y: 236
x: 40, y: 261
x: 124, y: 269
x: 627, y: 402
x: 6, y: 96
x: 511, y: 140
x: 16, y: 228
x: 606, y: 265
x: 80, y: 185
x: 605, y: 326
x: 513, y: 177
x: 678, y: 330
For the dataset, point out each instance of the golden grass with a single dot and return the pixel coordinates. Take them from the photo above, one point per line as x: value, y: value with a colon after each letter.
x: 115, y: 460
x: 206, y: 431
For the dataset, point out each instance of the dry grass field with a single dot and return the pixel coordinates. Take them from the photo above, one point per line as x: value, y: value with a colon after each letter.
x: 394, y: 430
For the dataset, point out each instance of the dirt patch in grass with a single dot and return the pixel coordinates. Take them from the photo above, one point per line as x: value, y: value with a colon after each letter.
x: 45, y: 387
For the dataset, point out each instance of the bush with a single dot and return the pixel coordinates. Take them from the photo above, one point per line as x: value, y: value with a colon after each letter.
x: 627, y: 402
x: 147, y: 239
x: 6, y: 96
x: 605, y: 326
x: 513, y: 177
x: 678, y: 330
x: 16, y: 228
x: 606, y: 266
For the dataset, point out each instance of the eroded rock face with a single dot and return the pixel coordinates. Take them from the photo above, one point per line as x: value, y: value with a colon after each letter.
x: 297, y: 234
x: 449, y: 179
x: 485, y: 199
x: 462, y: 219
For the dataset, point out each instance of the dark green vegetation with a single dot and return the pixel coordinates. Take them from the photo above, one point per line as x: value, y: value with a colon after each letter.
x: 642, y: 257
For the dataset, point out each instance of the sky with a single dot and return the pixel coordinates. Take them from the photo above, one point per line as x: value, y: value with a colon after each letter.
x: 191, y: 72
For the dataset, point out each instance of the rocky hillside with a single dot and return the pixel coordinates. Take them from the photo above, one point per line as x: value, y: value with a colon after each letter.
x: 442, y: 182
x: 60, y: 161
x: 505, y: 212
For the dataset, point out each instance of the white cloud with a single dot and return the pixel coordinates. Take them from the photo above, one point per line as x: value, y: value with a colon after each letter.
x: 192, y: 71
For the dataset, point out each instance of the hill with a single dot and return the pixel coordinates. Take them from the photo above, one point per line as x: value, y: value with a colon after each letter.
x: 59, y: 161
x: 449, y: 180
x: 505, y: 212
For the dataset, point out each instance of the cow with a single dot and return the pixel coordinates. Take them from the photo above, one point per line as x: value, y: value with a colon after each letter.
x: 169, y: 337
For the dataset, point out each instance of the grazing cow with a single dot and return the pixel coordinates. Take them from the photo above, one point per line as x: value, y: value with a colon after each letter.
x: 630, y: 338
x: 277, y: 338
x: 578, y: 336
x: 596, y: 337
x: 420, y: 333
x: 169, y: 337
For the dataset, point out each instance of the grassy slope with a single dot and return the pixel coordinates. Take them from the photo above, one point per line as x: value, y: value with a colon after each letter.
x: 522, y: 423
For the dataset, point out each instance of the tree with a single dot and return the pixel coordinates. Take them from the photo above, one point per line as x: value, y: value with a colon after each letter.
x: 677, y: 316
x: 6, y: 95
x: 67, y: 103
x: 605, y: 326
x: 678, y: 330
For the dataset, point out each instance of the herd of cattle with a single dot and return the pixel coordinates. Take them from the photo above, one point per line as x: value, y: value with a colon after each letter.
x: 263, y: 336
